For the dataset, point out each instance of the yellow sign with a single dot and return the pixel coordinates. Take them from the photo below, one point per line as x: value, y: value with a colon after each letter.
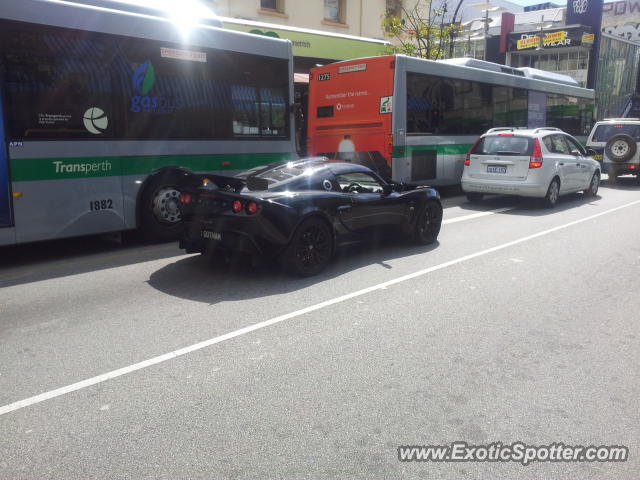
x: 588, y: 37
x: 529, y: 42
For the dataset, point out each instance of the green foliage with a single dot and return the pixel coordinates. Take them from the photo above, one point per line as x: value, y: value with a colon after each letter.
x: 422, y: 30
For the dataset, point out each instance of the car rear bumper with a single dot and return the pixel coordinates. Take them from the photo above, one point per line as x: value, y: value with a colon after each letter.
x: 219, y: 234
x: 520, y: 188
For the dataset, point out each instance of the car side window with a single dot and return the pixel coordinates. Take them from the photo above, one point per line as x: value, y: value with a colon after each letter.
x: 559, y: 145
x: 574, y: 145
x: 359, y: 182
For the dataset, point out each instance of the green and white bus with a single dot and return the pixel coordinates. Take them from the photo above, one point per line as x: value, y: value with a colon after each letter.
x: 103, y: 111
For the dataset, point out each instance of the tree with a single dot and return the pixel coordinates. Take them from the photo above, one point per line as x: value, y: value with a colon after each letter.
x: 422, y: 29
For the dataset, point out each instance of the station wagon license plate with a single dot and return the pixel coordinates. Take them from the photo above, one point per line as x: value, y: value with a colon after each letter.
x: 209, y: 235
x: 496, y: 169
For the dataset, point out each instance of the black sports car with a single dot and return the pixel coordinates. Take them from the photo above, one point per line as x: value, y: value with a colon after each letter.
x: 301, y: 211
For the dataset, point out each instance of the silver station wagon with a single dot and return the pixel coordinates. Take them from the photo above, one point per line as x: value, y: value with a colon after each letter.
x: 542, y: 162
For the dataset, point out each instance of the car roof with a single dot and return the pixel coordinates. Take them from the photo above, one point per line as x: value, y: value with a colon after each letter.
x: 524, y: 132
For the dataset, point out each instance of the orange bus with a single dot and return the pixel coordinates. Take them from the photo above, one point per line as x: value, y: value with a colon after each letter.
x: 413, y: 120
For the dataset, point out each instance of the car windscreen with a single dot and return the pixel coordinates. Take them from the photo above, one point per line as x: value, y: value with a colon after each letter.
x: 604, y: 132
x: 503, y: 145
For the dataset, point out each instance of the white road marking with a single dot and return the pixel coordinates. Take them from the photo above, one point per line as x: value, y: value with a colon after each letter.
x: 267, y: 323
x: 476, y: 215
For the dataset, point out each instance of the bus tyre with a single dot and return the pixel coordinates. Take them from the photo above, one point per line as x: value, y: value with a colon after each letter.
x: 474, y: 197
x: 160, y: 212
x: 428, y: 223
x: 553, y: 193
x: 310, y: 248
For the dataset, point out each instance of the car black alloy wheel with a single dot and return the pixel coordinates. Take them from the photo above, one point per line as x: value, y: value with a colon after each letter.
x: 428, y: 223
x: 310, y: 248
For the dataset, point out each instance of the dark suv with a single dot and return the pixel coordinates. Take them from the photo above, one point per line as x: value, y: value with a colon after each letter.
x: 616, y: 141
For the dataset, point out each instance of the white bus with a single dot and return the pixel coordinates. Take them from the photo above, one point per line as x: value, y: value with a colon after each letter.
x: 103, y: 111
x: 414, y: 120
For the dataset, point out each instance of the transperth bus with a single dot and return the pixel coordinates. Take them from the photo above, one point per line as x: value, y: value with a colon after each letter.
x: 103, y: 111
x: 414, y: 120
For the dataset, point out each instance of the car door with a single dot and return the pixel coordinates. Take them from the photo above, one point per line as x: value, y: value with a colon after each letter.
x: 566, y: 163
x: 584, y: 167
x: 371, y: 210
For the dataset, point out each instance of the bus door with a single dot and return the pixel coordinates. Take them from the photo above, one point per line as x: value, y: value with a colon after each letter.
x: 6, y: 219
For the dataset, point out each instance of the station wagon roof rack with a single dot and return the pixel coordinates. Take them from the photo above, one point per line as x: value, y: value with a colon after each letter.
x: 620, y: 119
x: 553, y: 129
x: 504, y: 129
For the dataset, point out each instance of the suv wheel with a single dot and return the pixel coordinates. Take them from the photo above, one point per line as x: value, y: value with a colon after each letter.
x: 620, y: 148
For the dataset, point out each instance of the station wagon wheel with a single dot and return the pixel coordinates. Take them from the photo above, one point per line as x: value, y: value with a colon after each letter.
x: 553, y: 193
x: 428, y: 223
x: 592, y: 189
x: 310, y: 248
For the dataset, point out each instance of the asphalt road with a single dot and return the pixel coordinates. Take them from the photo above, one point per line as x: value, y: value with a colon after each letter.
x: 521, y: 324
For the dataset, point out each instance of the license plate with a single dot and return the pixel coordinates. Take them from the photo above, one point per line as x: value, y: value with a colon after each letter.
x: 209, y: 235
x: 496, y: 169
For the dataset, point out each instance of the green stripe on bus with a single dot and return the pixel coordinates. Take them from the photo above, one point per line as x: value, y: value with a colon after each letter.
x: 442, y: 149
x: 30, y: 169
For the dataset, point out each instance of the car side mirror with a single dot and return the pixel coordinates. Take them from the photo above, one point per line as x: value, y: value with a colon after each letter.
x: 387, y: 189
x: 576, y: 153
x: 591, y: 152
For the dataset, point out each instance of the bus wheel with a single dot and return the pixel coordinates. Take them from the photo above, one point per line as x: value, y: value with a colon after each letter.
x: 160, y: 213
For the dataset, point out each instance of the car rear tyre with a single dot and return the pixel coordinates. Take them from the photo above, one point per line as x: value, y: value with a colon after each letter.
x: 428, y: 223
x: 592, y: 189
x: 474, y: 197
x: 160, y: 212
x: 310, y: 248
x: 620, y: 148
x: 553, y: 193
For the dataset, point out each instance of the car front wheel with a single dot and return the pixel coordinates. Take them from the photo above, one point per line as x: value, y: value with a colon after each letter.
x: 592, y: 189
x: 428, y: 223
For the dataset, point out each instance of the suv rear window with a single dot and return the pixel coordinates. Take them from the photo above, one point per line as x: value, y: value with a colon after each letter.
x: 504, y: 145
x: 604, y: 132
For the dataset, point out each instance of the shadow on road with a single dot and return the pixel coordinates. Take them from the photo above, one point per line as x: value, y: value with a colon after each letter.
x: 200, y: 279
x: 60, y: 258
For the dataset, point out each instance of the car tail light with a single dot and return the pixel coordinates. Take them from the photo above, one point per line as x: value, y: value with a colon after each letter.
x: 185, y: 198
x: 467, y: 159
x: 236, y: 206
x: 536, y: 157
x: 632, y: 167
x: 252, y: 207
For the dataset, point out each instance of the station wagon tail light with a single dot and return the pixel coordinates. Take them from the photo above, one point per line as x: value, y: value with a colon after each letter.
x: 467, y: 159
x: 185, y: 198
x: 536, y: 157
x: 252, y: 207
x: 505, y: 134
x: 236, y: 206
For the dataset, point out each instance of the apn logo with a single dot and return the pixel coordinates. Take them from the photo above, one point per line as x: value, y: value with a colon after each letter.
x: 143, y: 78
x: 95, y: 120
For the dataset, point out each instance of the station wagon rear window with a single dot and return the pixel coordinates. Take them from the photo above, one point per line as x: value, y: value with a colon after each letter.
x: 504, y: 145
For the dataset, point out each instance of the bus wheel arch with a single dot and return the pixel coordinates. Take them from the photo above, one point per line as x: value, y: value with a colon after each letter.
x: 157, y: 206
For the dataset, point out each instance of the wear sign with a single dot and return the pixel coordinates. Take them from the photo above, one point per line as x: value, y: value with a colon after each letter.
x: 568, y: 37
